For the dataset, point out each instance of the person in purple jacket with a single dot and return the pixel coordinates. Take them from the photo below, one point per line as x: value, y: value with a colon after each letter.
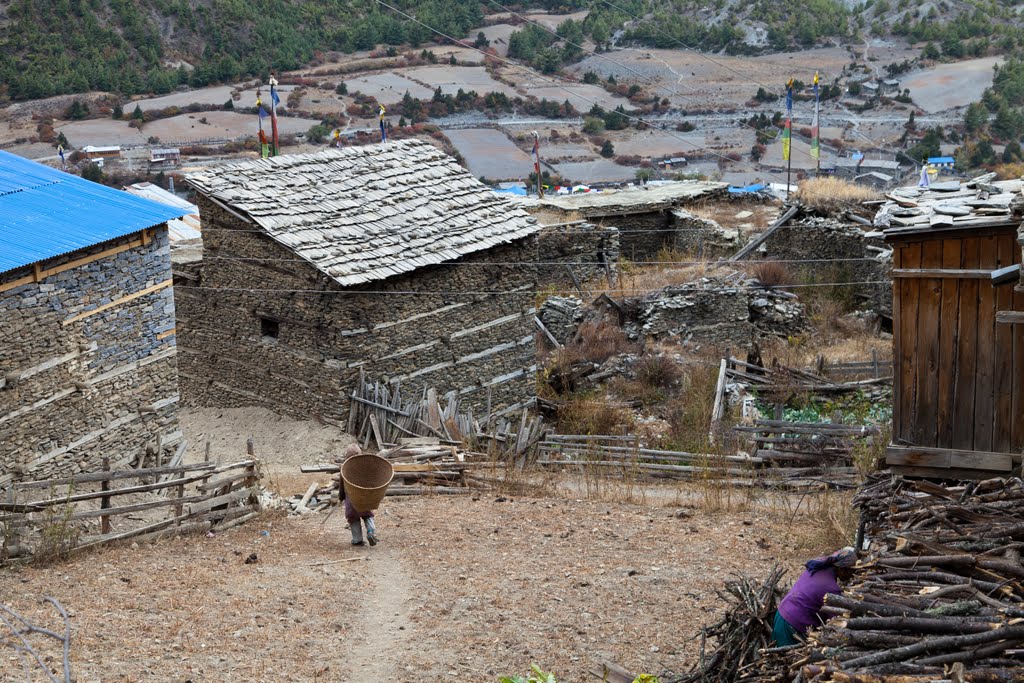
x: 801, y: 608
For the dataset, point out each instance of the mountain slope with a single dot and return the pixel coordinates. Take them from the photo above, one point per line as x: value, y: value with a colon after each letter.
x: 50, y: 47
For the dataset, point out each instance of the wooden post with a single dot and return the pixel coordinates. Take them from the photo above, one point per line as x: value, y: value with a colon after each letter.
x: 206, y: 456
x: 719, y: 407
x: 250, y: 447
x: 180, y: 491
x: 13, y: 539
x: 160, y: 450
x: 874, y: 363
x: 105, y: 500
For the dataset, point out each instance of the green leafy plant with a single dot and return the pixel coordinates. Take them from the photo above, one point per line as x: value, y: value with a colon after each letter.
x: 536, y: 676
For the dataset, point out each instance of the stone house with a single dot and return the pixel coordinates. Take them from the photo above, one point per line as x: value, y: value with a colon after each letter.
x: 388, y: 259
x: 87, y: 347
x: 646, y: 217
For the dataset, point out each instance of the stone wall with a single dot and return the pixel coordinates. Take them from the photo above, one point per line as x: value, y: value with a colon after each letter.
x: 77, y: 386
x: 466, y: 326
x: 641, y: 235
x: 702, y: 237
x: 589, y: 253
x: 719, y: 313
x: 850, y: 251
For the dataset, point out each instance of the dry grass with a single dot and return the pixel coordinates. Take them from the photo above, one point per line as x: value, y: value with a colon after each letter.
x: 770, y: 273
x: 829, y: 195
x: 586, y: 415
x: 635, y: 280
x: 1010, y: 171
x: 725, y: 213
x: 830, y: 522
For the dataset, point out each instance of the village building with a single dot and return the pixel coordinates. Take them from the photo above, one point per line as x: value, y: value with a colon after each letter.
x: 958, y: 381
x: 100, y: 153
x: 646, y: 217
x: 164, y: 156
x: 876, y: 180
x: 181, y: 229
x: 388, y: 259
x: 87, y: 346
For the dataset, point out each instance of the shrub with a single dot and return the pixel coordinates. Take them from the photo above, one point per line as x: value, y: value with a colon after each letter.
x: 770, y: 273
x: 658, y: 371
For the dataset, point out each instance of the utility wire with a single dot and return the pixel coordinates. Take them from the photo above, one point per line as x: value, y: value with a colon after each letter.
x: 523, y: 292
x: 566, y: 263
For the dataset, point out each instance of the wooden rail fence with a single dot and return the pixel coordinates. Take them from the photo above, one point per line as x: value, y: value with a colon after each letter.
x: 66, y: 514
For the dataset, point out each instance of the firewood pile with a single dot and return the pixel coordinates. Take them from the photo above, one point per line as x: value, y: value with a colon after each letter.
x: 382, y: 414
x: 742, y: 633
x: 938, y: 597
x: 423, y: 465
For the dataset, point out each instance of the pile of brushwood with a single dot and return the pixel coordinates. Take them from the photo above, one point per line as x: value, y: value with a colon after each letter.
x: 743, y: 632
x: 938, y: 595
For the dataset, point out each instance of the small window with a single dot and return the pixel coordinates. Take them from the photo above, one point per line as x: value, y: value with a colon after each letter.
x: 269, y: 328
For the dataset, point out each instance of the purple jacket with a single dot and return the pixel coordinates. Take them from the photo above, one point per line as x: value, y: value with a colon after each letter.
x: 802, y: 605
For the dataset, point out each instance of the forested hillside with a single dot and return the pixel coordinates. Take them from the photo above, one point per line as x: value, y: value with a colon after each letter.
x: 52, y: 47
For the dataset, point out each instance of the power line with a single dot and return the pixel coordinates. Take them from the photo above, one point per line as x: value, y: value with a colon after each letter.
x: 523, y: 292
x: 594, y: 102
x: 564, y: 263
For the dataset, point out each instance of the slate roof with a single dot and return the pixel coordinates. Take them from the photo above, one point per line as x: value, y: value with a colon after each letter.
x: 633, y: 200
x: 45, y: 212
x: 361, y: 214
x: 977, y: 203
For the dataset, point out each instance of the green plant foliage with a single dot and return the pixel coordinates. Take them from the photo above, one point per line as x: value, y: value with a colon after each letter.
x: 536, y: 676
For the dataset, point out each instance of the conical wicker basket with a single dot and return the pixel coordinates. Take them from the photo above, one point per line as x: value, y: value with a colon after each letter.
x: 366, y: 478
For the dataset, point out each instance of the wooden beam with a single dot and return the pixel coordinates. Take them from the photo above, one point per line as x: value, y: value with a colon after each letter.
x: 948, y: 458
x: 1010, y: 317
x: 45, y: 273
x: 943, y: 273
x: 168, y: 333
x: 118, y: 302
x: 760, y: 239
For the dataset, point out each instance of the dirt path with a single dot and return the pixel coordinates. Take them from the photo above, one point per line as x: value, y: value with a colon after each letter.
x: 376, y: 652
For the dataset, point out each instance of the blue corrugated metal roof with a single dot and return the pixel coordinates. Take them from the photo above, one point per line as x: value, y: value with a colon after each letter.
x: 45, y: 212
x: 941, y: 160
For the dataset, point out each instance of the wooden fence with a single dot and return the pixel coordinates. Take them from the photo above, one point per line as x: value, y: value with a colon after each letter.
x: 380, y: 414
x: 54, y: 517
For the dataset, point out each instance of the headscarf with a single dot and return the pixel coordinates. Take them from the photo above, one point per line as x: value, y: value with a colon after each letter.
x: 844, y: 557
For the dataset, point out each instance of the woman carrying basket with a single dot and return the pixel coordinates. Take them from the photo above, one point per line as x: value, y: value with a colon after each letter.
x: 355, y: 518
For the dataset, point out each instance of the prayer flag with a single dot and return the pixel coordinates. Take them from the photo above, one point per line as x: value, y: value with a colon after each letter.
x: 815, y: 136
x: 383, y: 131
x: 787, y: 132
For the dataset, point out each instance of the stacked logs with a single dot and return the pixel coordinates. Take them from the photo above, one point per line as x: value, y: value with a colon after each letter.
x: 939, y: 595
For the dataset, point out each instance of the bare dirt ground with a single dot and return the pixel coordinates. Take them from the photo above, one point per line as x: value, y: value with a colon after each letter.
x: 951, y: 85
x: 460, y: 589
x: 490, y: 153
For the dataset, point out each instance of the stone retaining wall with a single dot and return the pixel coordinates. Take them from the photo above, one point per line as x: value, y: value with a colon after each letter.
x: 466, y: 326
x: 74, y: 392
x: 845, y: 257
x: 588, y: 252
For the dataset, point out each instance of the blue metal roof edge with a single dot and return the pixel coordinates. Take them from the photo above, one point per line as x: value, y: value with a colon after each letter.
x: 45, y: 213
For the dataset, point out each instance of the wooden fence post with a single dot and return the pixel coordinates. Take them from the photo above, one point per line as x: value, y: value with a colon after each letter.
x: 105, y: 500
x: 206, y: 457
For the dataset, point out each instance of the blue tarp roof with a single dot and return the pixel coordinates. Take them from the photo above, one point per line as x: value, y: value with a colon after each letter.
x: 748, y: 189
x: 45, y: 212
x: 941, y: 160
x: 517, y: 191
